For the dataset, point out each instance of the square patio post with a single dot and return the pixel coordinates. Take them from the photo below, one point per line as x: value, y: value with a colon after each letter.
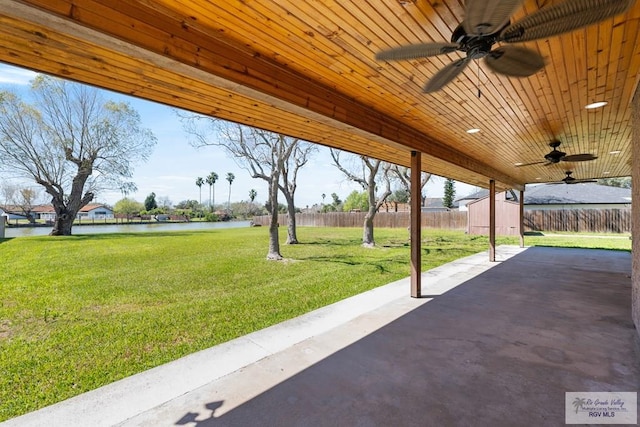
x: 415, y: 225
x: 521, y: 223
x: 492, y: 220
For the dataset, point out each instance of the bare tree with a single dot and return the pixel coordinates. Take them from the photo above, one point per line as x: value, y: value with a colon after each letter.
x: 403, y: 176
x: 71, y: 142
x: 373, y: 171
x: 266, y: 155
x: 8, y: 191
x: 299, y: 156
x: 26, y: 199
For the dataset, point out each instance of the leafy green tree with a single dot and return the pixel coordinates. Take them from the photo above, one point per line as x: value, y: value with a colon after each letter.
x: 150, y: 202
x: 334, y: 206
x: 622, y: 182
x: 71, y: 142
x: 128, y: 207
x: 449, y: 193
x: 357, y: 200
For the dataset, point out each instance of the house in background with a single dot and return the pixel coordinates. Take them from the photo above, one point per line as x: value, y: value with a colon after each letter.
x: 89, y: 212
x: 436, y: 204
x: 95, y: 211
x: 11, y: 212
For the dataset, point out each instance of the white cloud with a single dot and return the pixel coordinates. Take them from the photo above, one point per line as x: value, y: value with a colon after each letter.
x: 15, y: 76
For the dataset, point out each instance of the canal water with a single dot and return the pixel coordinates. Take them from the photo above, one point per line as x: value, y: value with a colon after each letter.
x: 128, y: 228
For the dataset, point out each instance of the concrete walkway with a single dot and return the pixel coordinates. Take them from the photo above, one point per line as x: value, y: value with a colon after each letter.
x: 491, y: 344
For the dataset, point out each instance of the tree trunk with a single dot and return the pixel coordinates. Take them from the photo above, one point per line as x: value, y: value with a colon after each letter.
x: 62, y: 225
x: 274, y: 239
x: 292, y: 238
x: 367, y: 232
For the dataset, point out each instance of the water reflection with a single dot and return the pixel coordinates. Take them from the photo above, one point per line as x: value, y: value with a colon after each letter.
x: 127, y: 228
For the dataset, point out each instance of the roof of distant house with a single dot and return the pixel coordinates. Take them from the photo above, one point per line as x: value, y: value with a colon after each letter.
x: 88, y: 208
x: 436, y: 203
x: 582, y: 193
x: 562, y: 194
x: 474, y: 196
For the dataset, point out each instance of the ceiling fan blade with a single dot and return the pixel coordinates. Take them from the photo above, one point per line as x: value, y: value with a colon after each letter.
x: 416, y: 51
x: 582, y: 181
x: 563, y: 17
x: 585, y: 157
x: 514, y: 61
x: 446, y: 75
x: 488, y: 16
x: 530, y: 164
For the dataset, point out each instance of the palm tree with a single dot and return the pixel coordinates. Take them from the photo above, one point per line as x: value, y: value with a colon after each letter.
x: 230, y: 178
x: 211, y: 180
x: 200, y: 183
x: 252, y: 195
x: 323, y: 196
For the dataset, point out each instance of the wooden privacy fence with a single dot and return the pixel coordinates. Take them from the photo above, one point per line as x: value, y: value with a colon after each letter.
x: 571, y: 220
x: 453, y: 220
x: 579, y: 220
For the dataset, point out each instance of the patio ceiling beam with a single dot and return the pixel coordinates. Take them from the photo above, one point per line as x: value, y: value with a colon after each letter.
x: 138, y: 27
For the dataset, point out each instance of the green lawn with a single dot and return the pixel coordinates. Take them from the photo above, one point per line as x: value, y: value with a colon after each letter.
x: 82, y: 311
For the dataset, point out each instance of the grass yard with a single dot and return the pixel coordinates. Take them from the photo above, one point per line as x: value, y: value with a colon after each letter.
x: 80, y: 312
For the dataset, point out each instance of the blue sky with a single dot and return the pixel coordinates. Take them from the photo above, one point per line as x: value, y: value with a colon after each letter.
x: 174, y: 165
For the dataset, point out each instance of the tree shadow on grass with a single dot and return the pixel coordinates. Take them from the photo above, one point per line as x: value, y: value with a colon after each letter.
x: 354, y: 242
x: 379, y: 265
x: 151, y: 234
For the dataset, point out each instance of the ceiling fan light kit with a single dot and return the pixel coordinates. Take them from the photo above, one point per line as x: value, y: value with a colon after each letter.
x: 486, y: 23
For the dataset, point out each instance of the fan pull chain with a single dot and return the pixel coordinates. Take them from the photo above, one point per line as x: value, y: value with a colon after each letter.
x: 478, y: 81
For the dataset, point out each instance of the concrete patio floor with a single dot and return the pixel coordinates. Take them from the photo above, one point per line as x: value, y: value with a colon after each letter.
x: 490, y: 344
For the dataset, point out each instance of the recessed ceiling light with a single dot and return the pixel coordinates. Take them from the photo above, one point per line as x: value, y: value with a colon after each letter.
x: 615, y: 152
x: 518, y: 164
x: 606, y: 173
x: 538, y: 178
x: 596, y: 105
x: 475, y: 130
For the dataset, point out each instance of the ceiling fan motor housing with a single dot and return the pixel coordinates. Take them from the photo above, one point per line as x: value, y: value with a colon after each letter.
x: 555, y: 155
x: 475, y: 46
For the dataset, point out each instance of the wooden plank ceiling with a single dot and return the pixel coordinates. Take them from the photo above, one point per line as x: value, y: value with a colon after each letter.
x: 307, y: 69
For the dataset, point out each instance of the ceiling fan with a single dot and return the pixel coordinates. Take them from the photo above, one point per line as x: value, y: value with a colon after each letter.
x: 486, y: 23
x: 568, y: 179
x: 557, y: 156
